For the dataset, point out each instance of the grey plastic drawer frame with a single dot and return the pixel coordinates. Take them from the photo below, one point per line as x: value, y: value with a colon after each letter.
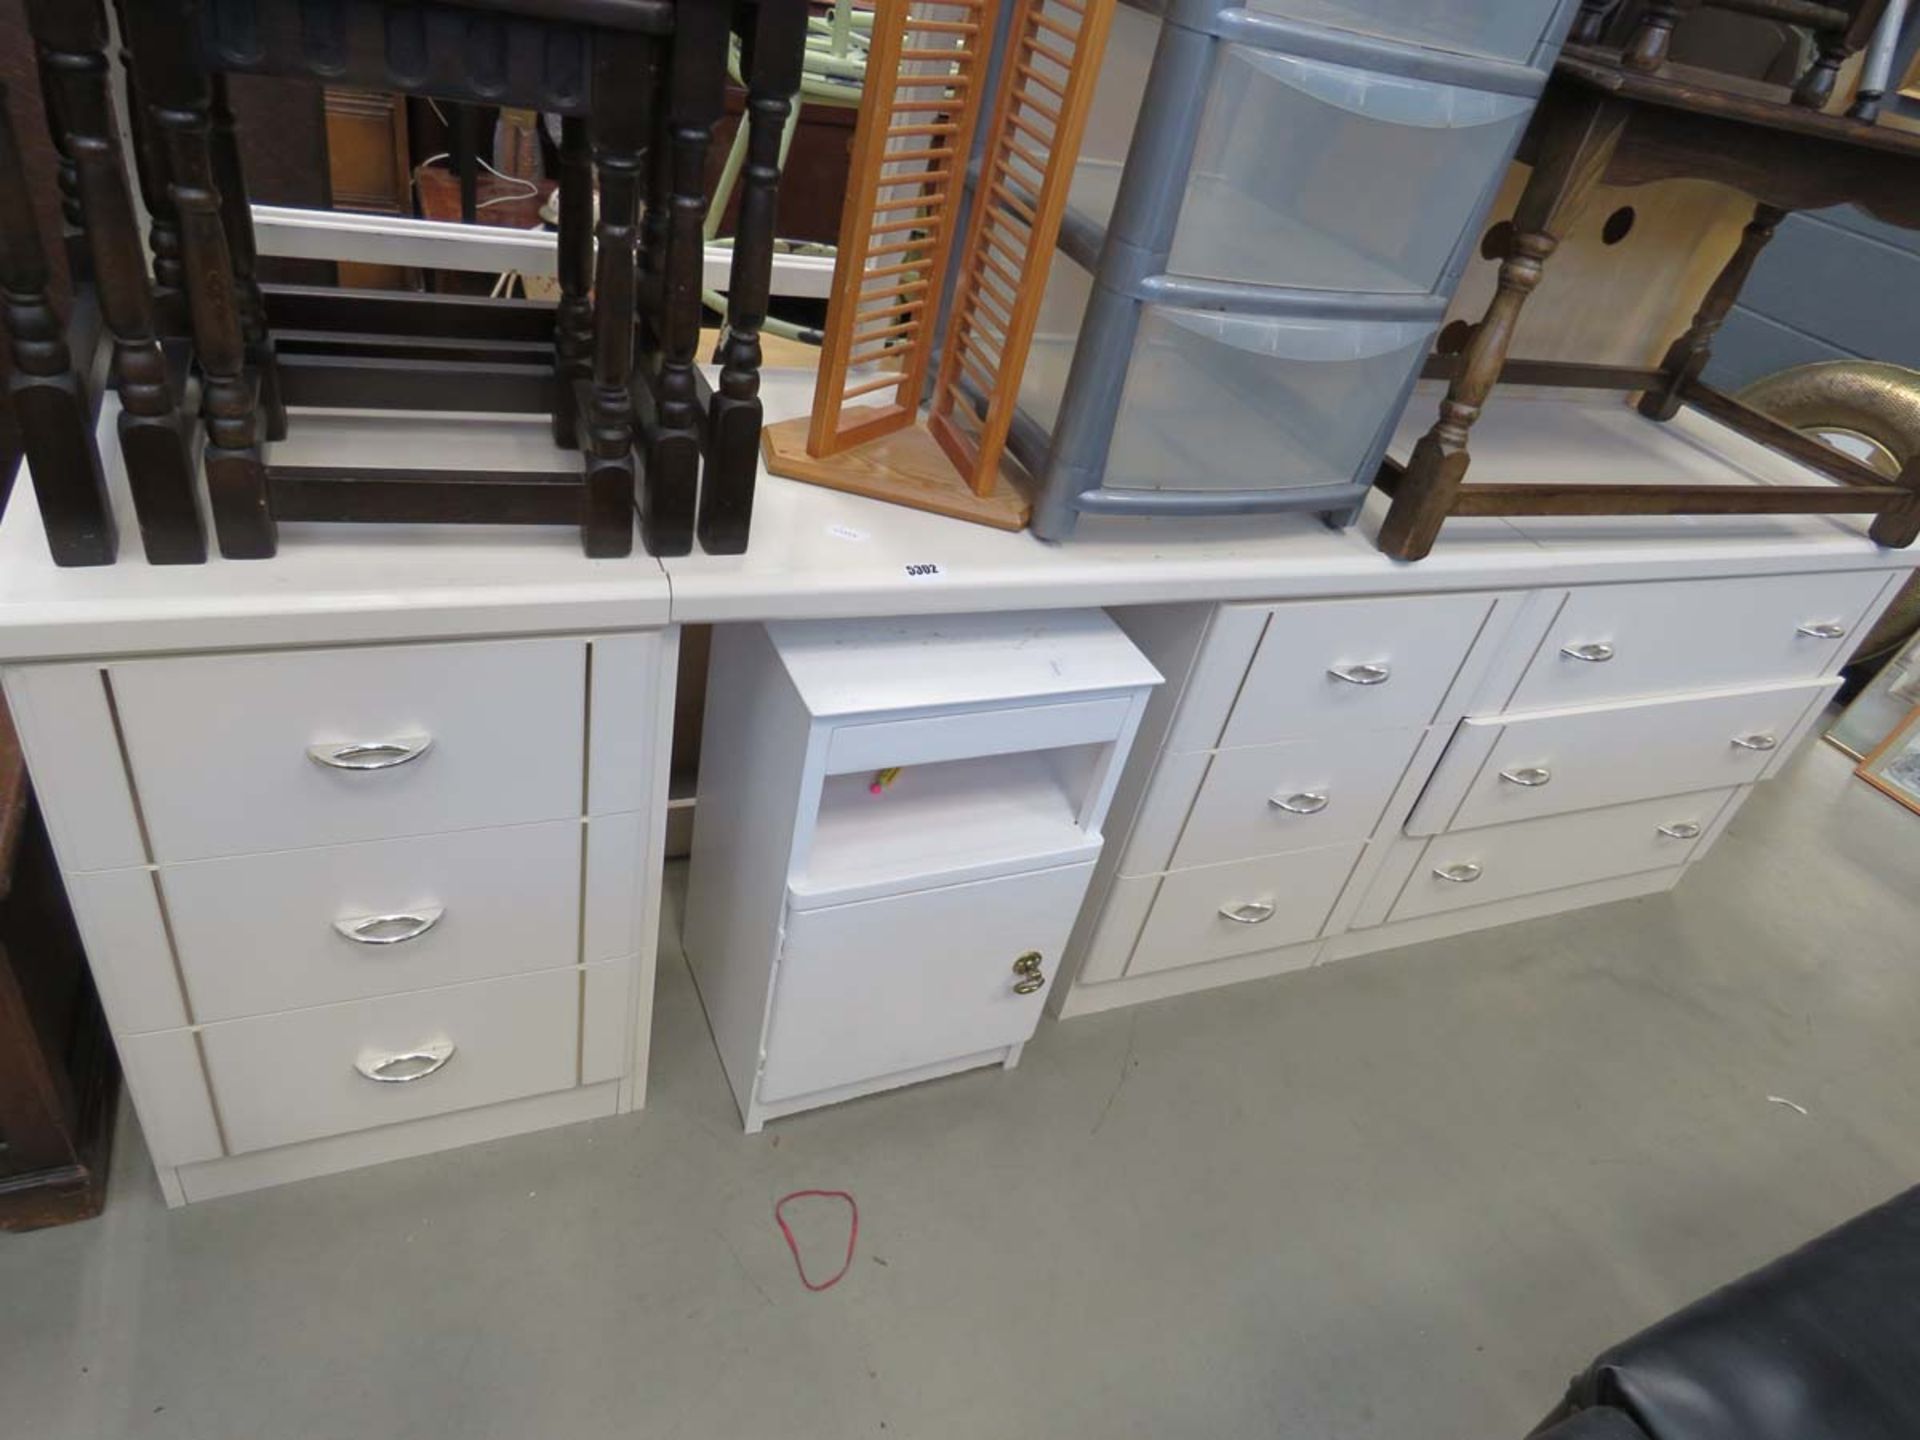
x: 1128, y: 258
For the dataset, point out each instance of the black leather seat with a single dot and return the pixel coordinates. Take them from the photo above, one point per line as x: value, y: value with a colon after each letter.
x: 1822, y: 1344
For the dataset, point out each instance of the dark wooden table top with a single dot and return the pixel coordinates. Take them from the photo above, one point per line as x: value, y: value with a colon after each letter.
x: 1693, y: 124
x: 1704, y: 92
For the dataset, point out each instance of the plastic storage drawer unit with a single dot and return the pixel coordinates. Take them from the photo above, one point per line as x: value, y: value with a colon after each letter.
x: 1497, y: 29
x: 1271, y: 209
x: 1307, y: 174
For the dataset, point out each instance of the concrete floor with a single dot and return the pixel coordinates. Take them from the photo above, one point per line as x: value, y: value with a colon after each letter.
x: 1402, y: 1196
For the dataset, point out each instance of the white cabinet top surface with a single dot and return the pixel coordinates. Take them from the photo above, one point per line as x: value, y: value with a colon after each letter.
x: 819, y: 554
x: 874, y: 666
x: 822, y: 553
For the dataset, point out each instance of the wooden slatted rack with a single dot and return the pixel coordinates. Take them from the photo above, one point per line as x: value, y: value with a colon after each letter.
x: 925, y: 68
x: 1053, y: 59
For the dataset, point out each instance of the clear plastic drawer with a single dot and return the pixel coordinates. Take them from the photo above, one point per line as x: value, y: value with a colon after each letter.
x: 1216, y: 401
x: 1308, y: 174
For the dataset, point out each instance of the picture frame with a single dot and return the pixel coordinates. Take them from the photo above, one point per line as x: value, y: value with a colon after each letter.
x: 1877, y: 711
x: 1893, y: 768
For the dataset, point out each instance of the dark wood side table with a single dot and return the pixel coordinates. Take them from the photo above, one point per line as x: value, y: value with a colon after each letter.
x: 58, y: 1075
x: 1602, y: 120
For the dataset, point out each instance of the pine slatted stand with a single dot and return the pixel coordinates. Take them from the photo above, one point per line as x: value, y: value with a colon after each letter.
x: 925, y: 93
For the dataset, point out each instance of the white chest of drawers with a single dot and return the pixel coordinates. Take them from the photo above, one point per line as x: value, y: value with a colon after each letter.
x: 350, y: 903
x: 1328, y: 778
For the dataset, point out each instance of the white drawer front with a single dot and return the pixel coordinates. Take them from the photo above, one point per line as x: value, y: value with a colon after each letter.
x: 1476, y: 867
x: 881, y: 986
x: 279, y: 1079
x: 1341, y: 665
x: 220, y: 744
x: 1684, y: 635
x: 1299, y: 796
x: 1222, y: 910
x: 1580, y: 760
x: 261, y: 933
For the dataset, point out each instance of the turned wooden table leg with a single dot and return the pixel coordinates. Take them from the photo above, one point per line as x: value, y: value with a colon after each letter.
x: 150, y: 166
x: 573, y: 317
x: 179, y: 95
x: 773, y: 34
x: 1577, y: 139
x: 236, y: 214
x: 672, y: 431
x: 618, y: 132
x: 56, y: 422
x: 153, y: 438
x: 66, y: 178
x: 1688, y: 355
x: 1899, y: 527
x: 654, y: 213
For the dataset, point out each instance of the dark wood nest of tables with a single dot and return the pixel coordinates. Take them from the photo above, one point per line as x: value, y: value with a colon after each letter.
x: 638, y: 85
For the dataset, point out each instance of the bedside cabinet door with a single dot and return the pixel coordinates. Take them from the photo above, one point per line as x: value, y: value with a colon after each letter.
x: 879, y: 987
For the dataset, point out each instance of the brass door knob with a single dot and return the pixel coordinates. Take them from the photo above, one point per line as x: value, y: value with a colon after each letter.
x: 1027, y: 967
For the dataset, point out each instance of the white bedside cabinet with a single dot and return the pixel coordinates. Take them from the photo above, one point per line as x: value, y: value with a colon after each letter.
x: 896, y: 824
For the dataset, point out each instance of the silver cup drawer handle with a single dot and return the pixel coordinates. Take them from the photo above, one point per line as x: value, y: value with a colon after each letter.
x: 1822, y: 630
x: 1367, y: 674
x: 406, y: 1066
x: 1465, y: 873
x: 1305, y: 802
x: 1594, y: 652
x: 1250, y: 912
x: 390, y: 929
x: 1532, y: 777
x: 1759, y: 740
x: 1681, y: 830
x: 371, y: 754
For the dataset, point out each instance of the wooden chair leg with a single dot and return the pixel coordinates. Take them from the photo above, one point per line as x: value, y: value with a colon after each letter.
x: 1832, y: 50
x: 153, y: 437
x: 1687, y: 357
x: 1648, y: 47
x: 573, y: 319
x: 237, y: 216
x: 179, y: 93
x: 618, y: 132
x: 772, y: 48
x: 1591, y: 23
x: 1577, y: 139
x: 671, y: 425
x: 56, y: 422
x: 150, y: 166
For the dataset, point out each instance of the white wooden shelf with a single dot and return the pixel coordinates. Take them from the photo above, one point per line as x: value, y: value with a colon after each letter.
x: 945, y: 823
